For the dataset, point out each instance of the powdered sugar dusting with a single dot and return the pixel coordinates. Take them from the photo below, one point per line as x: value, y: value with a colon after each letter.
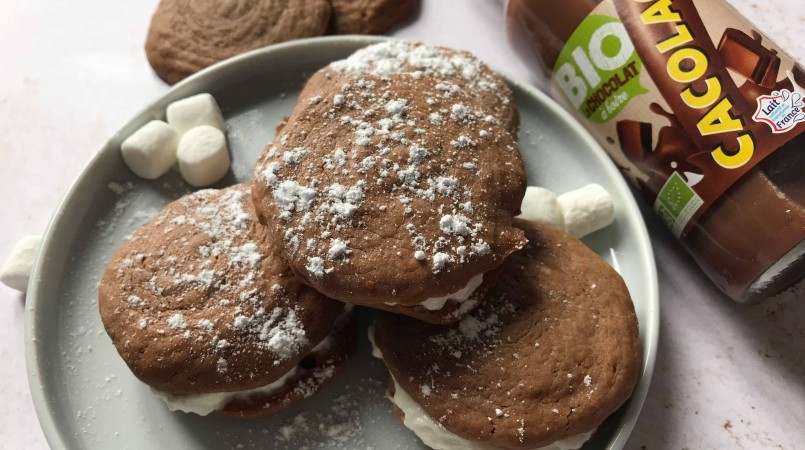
x: 335, y: 423
x: 394, y: 57
x: 477, y: 330
x: 280, y: 331
x: 521, y: 430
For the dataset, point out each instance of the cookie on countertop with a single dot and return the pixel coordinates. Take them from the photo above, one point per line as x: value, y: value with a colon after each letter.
x: 369, y: 16
x: 396, y: 186
x: 186, y: 36
x: 550, y: 353
x: 201, y: 308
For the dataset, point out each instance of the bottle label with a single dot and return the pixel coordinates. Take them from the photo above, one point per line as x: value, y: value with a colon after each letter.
x: 598, y: 70
x: 685, y: 95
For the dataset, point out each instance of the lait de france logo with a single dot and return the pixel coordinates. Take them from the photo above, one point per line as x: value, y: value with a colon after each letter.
x: 782, y: 110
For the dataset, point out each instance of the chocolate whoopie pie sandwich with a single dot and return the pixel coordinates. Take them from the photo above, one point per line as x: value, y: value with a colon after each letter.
x: 549, y: 354
x: 202, y: 309
x: 394, y: 182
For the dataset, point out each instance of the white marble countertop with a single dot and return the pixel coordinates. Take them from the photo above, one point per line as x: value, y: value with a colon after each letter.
x: 727, y: 375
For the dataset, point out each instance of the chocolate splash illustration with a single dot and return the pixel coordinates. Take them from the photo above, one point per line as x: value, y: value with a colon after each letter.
x: 671, y: 154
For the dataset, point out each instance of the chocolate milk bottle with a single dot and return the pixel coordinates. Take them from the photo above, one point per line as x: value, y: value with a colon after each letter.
x: 703, y: 115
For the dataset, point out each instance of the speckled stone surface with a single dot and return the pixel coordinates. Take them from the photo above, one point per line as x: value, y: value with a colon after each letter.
x: 727, y: 375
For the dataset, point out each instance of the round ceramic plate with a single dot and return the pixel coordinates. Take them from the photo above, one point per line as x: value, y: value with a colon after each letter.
x: 87, y: 398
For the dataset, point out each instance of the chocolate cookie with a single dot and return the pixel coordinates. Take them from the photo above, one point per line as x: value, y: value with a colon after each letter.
x: 395, y: 185
x: 186, y: 36
x: 369, y: 16
x: 550, y: 353
x: 198, y: 301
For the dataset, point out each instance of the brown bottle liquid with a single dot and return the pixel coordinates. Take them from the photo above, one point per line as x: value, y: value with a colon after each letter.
x: 749, y: 234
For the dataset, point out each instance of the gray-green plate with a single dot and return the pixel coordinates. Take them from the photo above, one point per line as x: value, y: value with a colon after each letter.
x: 86, y: 397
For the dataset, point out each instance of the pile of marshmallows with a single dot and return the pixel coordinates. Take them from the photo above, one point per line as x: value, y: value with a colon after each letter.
x: 193, y: 137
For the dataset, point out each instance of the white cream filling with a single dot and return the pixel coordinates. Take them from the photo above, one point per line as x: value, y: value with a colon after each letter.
x: 460, y: 296
x: 435, y: 436
x: 204, y: 404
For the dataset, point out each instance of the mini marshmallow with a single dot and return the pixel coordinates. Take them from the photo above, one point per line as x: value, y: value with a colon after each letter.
x: 586, y: 210
x: 151, y: 151
x: 203, y: 156
x: 17, y: 268
x: 201, y: 109
x: 540, y: 205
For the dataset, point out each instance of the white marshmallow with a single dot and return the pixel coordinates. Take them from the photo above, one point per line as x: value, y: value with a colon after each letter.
x: 201, y: 109
x: 540, y: 205
x: 203, y: 155
x: 17, y: 268
x: 586, y: 210
x: 151, y: 150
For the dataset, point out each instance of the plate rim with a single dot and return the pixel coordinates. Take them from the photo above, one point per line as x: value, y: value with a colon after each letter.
x: 33, y: 346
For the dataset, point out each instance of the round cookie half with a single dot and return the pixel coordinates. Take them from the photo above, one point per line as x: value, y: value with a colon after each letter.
x: 392, y: 189
x: 186, y: 36
x: 369, y: 16
x: 550, y: 353
x: 198, y: 300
